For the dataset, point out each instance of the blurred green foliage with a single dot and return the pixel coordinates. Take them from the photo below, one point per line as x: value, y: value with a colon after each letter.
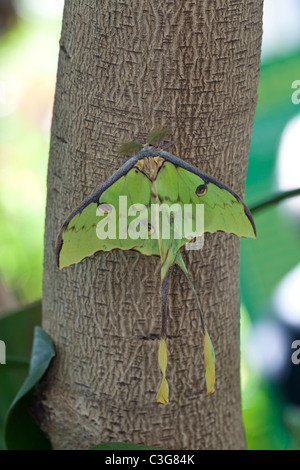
x: 266, y: 260
x: 17, y: 330
x: 21, y: 430
x: 277, y: 249
x: 28, y: 62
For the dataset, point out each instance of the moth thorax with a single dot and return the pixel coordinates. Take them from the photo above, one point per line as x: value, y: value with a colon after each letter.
x: 150, y: 166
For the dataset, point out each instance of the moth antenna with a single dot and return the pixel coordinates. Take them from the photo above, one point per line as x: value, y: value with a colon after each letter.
x: 158, y: 135
x: 130, y: 148
x: 167, y: 145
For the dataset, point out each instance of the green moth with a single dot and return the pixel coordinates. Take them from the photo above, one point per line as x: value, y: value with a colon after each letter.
x: 150, y: 204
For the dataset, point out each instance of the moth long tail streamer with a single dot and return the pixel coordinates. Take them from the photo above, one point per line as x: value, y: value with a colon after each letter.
x: 209, y: 354
x: 163, y: 392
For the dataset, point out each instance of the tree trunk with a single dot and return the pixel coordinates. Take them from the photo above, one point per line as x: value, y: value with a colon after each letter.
x: 125, y: 67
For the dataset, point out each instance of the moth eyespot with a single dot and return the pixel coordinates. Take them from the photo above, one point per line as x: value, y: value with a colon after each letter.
x: 201, y: 190
x: 105, y: 208
x: 151, y: 229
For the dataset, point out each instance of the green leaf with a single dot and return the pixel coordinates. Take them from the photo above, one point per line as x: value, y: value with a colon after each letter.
x: 16, y: 362
x: 16, y: 330
x: 21, y: 431
x: 122, y: 446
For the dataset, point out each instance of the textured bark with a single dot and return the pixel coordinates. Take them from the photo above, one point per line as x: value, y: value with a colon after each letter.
x: 125, y: 67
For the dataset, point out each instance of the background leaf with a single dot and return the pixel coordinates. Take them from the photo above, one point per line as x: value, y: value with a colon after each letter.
x: 21, y: 431
x: 16, y: 330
